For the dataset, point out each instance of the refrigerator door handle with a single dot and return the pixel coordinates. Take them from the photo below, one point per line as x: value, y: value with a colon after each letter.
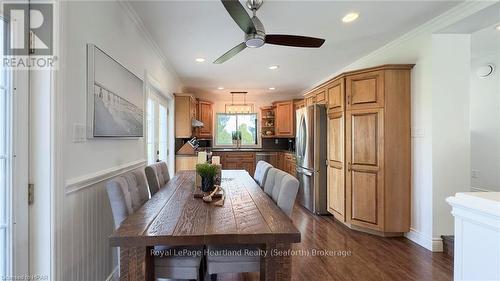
x: 306, y: 173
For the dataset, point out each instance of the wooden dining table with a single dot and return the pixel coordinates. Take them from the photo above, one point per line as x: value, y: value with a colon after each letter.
x: 173, y: 216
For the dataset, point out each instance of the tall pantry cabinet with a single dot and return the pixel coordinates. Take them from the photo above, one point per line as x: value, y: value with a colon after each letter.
x: 369, y: 156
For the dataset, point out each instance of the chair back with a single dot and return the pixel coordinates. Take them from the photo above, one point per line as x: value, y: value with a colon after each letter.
x: 261, y: 171
x: 127, y: 193
x: 157, y: 175
x: 283, y: 189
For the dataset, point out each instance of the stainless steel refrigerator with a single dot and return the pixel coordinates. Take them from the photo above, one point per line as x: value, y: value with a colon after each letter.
x: 311, y: 152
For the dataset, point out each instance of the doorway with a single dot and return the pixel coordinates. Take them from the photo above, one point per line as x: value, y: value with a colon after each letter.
x: 157, y: 127
x: 13, y: 160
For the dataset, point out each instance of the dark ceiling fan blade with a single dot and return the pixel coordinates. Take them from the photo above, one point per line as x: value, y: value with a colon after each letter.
x: 294, y: 41
x: 231, y: 53
x: 239, y: 15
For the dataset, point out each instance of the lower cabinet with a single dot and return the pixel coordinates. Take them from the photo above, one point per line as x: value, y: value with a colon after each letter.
x: 238, y: 161
x: 287, y: 162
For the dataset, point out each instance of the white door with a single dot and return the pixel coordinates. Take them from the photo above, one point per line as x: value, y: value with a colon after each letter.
x: 157, y: 127
x: 13, y: 162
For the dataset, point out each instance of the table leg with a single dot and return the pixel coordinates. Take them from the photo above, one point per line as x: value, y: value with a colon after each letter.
x: 277, y: 265
x: 136, y: 264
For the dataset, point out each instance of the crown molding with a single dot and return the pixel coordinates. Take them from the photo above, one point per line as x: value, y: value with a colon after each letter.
x: 447, y: 18
x: 136, y: 19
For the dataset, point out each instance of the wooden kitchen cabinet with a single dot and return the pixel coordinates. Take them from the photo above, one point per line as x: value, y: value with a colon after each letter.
x: 365, y: 167
x: 238, y: 161
x: 336, y: 164
x: 299, y: 103
x: 365, y: 90
x: 205, y: 115
x: 285, y: 119
x: 336, y: 95
x: 321, y: 96
x: 369, y: 153
x: 286, y: 162
x: 185, y: 112
x: 310, y: 99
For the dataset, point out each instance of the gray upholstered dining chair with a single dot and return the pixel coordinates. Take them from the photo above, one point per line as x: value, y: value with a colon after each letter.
x: 157, y: 175
x: 283, y: 190
x: 261, y: 170
x: 127, y: 193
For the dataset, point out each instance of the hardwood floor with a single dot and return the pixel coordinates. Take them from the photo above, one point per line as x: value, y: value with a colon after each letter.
x: 371, y: 257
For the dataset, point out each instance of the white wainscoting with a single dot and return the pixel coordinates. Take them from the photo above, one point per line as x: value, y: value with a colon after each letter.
x: 87, y: 224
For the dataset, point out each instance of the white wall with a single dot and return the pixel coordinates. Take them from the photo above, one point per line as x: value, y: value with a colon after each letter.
x: 87, y: 220
x: 485, y: 111
x: 450, y: 125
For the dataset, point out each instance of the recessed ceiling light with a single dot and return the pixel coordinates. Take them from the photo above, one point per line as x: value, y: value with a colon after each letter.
x: 274, y: 67
x: 272, y: 88
x: 220, y: 88
x: 498, y: 27
x: 199, y: 59
x: 350, y: 17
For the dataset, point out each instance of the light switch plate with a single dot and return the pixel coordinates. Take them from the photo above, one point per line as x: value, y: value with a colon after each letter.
x: 79, y: 132
x: 417, y: 132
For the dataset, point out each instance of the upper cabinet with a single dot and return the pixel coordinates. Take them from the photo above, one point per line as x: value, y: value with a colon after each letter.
x: 310, y: 99
x: 365, y: 90
x: 299, y: 103
x: 285, y: 119
x: 187, y: 109
x: 321, y: 97
x: 205, y: 115
x: 335, y: 92
x: 185, y: 112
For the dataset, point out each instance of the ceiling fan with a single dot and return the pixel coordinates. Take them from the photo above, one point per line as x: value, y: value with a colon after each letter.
x: 255, y: 35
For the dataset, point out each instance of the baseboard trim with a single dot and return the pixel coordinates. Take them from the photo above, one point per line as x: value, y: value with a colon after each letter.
x: 83, y: 182
x: 114, y: 275
x: 431, y: 244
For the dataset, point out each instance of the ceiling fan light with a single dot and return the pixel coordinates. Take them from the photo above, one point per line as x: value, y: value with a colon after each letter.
x: 254, y: 42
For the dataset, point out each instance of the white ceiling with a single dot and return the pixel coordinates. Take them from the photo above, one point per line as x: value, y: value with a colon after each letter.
x: 185, y: 30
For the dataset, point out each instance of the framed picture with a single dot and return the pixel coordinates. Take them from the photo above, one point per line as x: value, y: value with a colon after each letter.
x: 115, y: 98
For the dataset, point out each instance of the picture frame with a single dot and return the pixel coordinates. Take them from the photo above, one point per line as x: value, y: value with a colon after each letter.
x: 116, y: 104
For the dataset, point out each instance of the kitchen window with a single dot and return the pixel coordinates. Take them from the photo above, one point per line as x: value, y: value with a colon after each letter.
x: 227, y: 124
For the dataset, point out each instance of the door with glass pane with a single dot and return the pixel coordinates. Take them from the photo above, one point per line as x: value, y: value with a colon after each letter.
x: 157, y: 126
x: 13, y: 163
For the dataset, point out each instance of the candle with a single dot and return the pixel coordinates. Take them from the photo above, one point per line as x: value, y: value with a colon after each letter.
x: 216, y: 160
x: 202, y: 157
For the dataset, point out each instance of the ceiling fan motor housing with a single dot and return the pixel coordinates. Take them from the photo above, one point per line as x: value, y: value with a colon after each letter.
x: 257, y: 39
x: 254, y: 4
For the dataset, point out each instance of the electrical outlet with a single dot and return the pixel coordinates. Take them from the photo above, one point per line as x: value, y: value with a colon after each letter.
x: 79, y: 132
x: 276, y: 141
x: 475, y: 174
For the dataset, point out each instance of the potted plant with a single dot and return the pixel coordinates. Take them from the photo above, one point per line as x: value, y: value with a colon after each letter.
x: 207, y: 173
x: 236, y: 137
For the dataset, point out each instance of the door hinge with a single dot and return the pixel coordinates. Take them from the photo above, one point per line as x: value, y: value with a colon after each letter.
x: 31, y: 193
x: 32, y: 43
x: 326, y: 162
